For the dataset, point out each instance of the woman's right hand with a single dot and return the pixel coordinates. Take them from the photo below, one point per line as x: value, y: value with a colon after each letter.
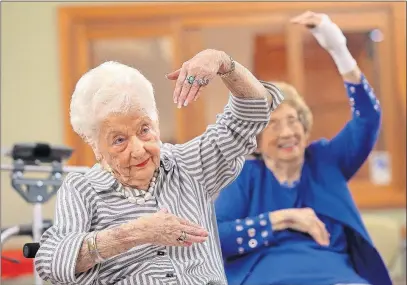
x: 303, y: 220
x: 163, y: 228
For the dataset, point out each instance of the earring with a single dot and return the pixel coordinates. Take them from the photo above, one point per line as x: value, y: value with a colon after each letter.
x: 109, y: 169
x: 106, y: 166
x: 257, y: 154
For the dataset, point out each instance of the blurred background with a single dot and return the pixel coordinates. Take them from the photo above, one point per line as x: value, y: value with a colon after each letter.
x: 47, y: 46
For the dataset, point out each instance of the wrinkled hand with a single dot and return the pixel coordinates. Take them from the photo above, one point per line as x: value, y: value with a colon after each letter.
x: 305, y: 220
x: 327, y: 33
x: 163, y: 228
x: 195, y: 74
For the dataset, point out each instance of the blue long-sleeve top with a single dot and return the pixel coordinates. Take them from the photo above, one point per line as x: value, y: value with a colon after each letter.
x: 254, y: 254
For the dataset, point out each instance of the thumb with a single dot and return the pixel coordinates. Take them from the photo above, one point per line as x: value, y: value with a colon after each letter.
x: 173, y: 75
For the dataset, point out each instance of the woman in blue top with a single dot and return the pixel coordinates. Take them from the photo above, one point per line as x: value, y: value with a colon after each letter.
x: 289, y: 218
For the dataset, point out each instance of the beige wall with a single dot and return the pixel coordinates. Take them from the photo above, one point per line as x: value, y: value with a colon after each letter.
x: 30, y: 76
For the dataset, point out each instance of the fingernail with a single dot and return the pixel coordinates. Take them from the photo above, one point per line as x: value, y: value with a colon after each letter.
x: 166, y: 76
x: 175, y: 100
x: 179, y: 105
x: 185, y: 103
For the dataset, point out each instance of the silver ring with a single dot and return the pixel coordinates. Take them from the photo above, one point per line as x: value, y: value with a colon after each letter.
x: 190, y: 79
x: 182, y: 238
x: 202, y: 81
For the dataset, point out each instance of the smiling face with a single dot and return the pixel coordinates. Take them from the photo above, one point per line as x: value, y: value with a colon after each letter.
x: 285, y: 138
x: 130, y: 145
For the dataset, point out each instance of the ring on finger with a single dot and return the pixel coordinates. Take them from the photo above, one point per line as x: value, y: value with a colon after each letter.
x: 190, y: 79
x: 182, y: 238
x: 202, y: 81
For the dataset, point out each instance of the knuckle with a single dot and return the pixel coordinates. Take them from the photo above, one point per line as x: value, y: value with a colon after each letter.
x: 314, y: 231
x: 191, y: 238
x: 311, y: 211
x: 195, y: 239
x: 191, y: 230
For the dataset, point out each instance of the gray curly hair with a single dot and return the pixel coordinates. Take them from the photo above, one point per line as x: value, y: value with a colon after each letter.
x: 295, y: 100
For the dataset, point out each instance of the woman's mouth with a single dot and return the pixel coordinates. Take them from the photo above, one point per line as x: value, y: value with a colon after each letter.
x: 144, y: 163
x: 287, y: 146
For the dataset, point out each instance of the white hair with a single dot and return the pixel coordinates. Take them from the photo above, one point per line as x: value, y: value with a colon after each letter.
x: 111, y: 87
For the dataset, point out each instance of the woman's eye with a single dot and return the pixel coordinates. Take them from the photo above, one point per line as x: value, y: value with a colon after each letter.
x: 145, y: 129
x: 293, y: 120
x: 118, y: 141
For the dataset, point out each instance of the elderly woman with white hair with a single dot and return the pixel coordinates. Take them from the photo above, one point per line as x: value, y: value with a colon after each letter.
x: 143, y: 214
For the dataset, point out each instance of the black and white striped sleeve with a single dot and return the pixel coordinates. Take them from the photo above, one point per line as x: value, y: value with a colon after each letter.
x: 216, y: 157
x: 60, y: 245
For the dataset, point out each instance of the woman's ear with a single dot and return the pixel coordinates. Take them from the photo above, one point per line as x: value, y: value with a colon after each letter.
x: 96, y: 152
x: 307, y: 135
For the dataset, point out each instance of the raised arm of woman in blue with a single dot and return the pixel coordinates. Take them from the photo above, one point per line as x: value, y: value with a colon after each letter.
x: 353, y: 144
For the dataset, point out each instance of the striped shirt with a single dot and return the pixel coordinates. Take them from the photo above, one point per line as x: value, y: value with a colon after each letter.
x: 190, y: 175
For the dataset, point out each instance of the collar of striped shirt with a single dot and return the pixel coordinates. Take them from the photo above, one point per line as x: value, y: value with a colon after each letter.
x: 102, y: 180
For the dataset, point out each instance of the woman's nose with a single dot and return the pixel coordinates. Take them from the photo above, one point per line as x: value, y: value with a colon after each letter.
x: 137, y: 147
x: 286, y: 131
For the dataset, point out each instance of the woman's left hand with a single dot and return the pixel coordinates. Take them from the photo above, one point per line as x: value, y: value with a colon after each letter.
x: 196, y: 73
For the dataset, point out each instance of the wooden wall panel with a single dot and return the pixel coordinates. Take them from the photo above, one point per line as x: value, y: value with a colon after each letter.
x: 399, y: 28
x: 270, y: 58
